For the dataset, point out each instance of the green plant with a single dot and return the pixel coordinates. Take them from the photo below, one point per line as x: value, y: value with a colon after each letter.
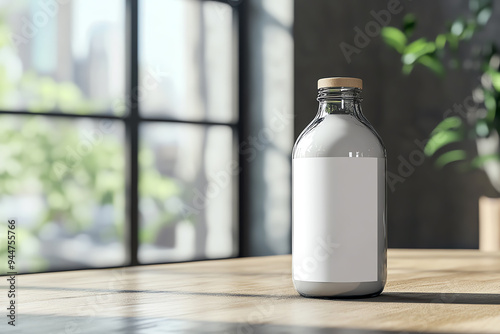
x: 431, y: 53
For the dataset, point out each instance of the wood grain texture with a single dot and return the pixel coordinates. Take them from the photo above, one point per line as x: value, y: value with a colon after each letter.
x: 427, y: 291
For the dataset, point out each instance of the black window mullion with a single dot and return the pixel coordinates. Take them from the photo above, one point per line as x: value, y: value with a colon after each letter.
x: 132, y: 129
x: 58, y: 114
x: 191, y: 122
x: 244, y: 228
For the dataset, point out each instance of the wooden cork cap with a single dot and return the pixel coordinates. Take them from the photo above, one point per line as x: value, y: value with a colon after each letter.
x: 340, y: 82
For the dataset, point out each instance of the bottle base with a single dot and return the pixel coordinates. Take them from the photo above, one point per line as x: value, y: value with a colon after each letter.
x: 339, y: 290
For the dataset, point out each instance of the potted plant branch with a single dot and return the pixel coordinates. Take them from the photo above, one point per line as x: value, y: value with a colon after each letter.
x: 481, y: 124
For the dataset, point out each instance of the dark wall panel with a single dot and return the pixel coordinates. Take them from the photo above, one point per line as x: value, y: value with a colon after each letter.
x: 432, y: 208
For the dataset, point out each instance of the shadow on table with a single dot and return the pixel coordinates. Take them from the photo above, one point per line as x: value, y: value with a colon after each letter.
x: 386, y: 297
x: 435, y: 297
x: 28, y: 323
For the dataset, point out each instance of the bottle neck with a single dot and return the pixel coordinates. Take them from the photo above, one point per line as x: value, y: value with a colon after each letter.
x: 339, y: 101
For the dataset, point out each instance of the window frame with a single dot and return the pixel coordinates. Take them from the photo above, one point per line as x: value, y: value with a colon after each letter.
x: 132, y: 121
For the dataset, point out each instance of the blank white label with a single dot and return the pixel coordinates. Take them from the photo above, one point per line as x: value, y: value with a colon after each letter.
x: 336, y: 212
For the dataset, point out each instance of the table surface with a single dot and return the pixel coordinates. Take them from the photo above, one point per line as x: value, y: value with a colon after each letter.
x: 427, y: 291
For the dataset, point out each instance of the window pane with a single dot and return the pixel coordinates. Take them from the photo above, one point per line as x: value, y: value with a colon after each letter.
x: 63, y: 180
x: 65, y: 56
x: 187, y: 192
x: 187, y: 63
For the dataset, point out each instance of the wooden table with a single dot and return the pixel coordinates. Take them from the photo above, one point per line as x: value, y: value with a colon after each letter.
x: 427, y: 291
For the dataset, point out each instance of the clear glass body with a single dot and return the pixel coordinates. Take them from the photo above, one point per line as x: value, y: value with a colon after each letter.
x: 341, y: 130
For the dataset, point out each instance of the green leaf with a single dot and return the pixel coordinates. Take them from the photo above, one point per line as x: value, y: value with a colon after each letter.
x: 432, y: 63
x: 407, y: 68
x: 417, y: 49
x: 409, y: 23
x: 477, y: 5
x: 484, y: 16
x: 440, y: 41
x: 458, y: 27
x: 482, y: 128
x: 441, y: 139
x: 394, y: 37
x: 416, y: 46
x: 452, y: 41
x: 449, y: 157
x: 449, y: 123
x: 469, y: 31
x: 480, y: 160
x: 491, y: 105
x: 495, y: 80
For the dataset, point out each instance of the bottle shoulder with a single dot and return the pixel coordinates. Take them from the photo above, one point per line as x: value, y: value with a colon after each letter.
x: 338, y: 136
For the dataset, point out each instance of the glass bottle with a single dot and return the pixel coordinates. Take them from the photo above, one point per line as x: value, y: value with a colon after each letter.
x: 339, y: 246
